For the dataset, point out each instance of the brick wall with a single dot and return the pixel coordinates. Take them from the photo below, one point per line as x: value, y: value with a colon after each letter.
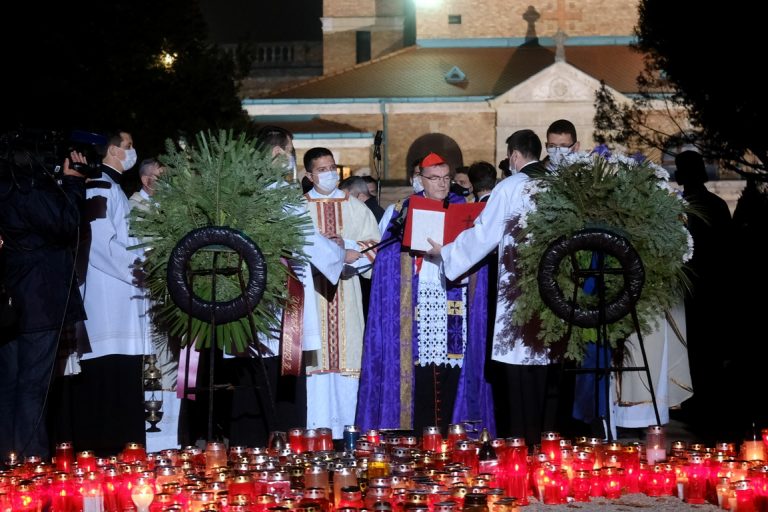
x: 349, y: 8
x: 504, y: 18
x: 339, y: 51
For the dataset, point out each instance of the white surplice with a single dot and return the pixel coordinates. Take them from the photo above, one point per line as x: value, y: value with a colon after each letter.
x: 493, y: 229
x: 117, y: 309
x: 667, y: 355
x: 333, y: 378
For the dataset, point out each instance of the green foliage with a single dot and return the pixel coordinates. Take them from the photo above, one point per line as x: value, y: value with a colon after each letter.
x: 222, y: 180
x: 619, y: 194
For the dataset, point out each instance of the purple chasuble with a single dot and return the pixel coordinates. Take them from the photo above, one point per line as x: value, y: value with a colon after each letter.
x: 385, y: 396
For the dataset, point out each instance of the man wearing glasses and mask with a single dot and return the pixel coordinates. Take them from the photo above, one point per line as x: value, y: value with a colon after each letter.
x: 561, y: 141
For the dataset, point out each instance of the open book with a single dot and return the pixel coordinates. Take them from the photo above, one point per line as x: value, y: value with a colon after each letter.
x: 428, y: 219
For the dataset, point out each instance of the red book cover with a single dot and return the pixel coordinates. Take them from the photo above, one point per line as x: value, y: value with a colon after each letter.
x: 429, y: 219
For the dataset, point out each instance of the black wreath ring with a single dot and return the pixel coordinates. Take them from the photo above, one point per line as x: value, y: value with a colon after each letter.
x: 595, y: 240
x: 221, y: 312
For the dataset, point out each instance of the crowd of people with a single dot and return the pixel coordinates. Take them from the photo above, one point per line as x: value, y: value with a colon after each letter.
x: 392, y: 338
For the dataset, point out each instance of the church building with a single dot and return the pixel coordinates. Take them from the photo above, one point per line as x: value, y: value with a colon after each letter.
x: 453, y: 76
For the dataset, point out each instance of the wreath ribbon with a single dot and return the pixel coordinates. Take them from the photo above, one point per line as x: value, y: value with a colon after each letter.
x: 293, y: 320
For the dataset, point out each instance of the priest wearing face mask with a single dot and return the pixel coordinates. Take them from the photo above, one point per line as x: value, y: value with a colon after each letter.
x: 108, y: 399
x: 561, y: 141
x: 424, y: 349
x: 333, y: 375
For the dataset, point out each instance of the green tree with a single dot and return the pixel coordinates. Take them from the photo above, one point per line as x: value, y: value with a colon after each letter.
x: 699, y: 85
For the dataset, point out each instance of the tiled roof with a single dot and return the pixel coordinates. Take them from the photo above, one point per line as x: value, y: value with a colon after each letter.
x: 417, y: 72
x: 314, y: 125
x: 619, y: 66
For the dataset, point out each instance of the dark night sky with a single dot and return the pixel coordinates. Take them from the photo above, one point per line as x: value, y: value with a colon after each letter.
x: 230, y: 21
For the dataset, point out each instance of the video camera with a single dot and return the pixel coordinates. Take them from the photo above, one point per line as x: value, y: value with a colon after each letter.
x: 44, y: 151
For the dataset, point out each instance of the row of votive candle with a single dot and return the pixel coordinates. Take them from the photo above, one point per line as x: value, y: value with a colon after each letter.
x: 378, y: 471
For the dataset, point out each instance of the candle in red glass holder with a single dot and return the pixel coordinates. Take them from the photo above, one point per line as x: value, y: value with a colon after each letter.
x: 612, y: 482
x: 654, y: 483
x: 324, y: 441
x: 134, y: 452
x: 310, y: 439
x: 279, y: 484
x: 465, y: 453
x: 516, y: 470
x: 596, y: 488
x: 695, y: 482
x: 759, y: 478
x: 65, y: 456
x: 580, y: 485
x: 456, y: 432
x: 583, y: 460
x: 240, y: 484
x: 296, y: 440
x: 670, y: 480
x: 62, y: 492
x: 373, y: 436
x: 550, y: 445
x: 745, y: 496
x: 432, y: 440
x: 630, y: 463
x: 86, y: 460
x: 551, y: 488
x: 26, y: 498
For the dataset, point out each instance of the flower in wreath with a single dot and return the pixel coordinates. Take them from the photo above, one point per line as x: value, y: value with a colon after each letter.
x: 626, y: 202
x: 228, y: 189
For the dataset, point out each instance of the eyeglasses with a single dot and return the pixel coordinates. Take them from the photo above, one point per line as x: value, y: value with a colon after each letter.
x: 435, y: 179
x: 564, y: 146
x: 325, y: 169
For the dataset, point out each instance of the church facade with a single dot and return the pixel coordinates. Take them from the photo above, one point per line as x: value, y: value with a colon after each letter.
x: 478, y: 71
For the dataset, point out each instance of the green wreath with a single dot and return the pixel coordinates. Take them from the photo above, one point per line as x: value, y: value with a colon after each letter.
x: 621, y: 195
x: 221, y: 180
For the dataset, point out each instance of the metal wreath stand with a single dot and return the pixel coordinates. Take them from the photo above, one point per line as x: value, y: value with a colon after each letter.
x: 220, y: 240
x: 602, y: 243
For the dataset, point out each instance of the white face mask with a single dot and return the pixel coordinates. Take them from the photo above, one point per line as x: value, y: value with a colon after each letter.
x: 417, y: 185
x: 130, y: 159
x: 556, y: 156
x: 326, y: 181
x: 290, y: 166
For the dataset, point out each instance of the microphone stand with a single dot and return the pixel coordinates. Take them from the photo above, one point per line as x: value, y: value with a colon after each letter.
x: 377, y: 162
x: 397, y: 228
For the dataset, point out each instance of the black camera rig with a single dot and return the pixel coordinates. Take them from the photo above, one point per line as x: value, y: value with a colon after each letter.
x: 44, y: 151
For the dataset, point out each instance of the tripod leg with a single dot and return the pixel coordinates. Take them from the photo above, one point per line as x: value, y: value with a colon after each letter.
x: 645, y: 365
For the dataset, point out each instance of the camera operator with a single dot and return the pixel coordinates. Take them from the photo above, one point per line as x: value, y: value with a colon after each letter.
x: 39, y: 222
